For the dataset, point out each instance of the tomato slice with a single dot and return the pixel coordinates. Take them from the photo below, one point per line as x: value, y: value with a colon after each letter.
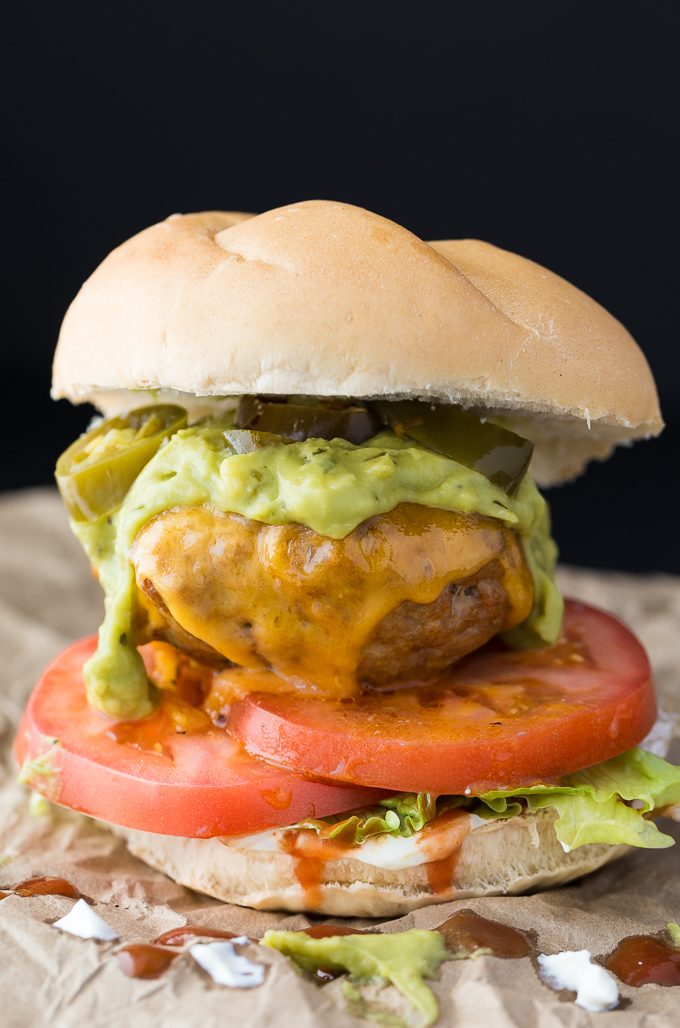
x: 502, y: 719
x: 145, y: 775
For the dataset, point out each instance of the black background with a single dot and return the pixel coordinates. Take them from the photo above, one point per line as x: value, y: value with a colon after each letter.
x: 549, y: 129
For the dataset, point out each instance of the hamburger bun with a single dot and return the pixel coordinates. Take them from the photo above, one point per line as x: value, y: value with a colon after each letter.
x: 497, y: 858
x: 328, y: 299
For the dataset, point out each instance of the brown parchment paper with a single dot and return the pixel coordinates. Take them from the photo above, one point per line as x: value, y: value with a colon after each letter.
x: 47, y: 599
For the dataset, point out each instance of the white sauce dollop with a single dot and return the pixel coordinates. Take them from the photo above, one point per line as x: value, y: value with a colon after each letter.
x: 227, y: 967
x: 595, y: 987
x: 82, y: 921
x: 392, y: 853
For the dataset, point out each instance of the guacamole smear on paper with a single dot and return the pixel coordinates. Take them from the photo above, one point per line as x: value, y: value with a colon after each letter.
x: 403, y: 959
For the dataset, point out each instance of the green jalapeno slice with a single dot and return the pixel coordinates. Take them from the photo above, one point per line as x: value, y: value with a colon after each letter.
x: 243, y: 440
x: 96, y: 471
x: 295, y: 422
x: 496, y: 452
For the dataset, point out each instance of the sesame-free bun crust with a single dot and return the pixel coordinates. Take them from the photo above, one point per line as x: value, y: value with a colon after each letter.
x: 328, y: 299
x: 502, y: 857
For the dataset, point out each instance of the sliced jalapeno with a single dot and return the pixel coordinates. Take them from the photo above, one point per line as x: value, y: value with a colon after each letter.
x: 499, y: 454
x: 96, y: 471
x: 297, y: 421
x: 243, y: 440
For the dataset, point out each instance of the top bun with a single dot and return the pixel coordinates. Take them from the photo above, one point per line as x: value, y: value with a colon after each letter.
x: 328, y: 299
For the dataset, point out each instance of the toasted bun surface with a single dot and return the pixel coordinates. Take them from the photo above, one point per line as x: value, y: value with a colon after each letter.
x: 502, y: 857
x: 328, y: 299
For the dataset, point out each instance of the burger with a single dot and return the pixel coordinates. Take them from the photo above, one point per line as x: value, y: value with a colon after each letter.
x: 335, y: 672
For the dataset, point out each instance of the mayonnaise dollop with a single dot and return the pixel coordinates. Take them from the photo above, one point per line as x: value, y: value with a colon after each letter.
x: 82, y: 921
x: 226, y: 966
x: 595, y: 987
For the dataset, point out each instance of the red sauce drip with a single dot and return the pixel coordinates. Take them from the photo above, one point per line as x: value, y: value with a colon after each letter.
x: 178, y: 936
x: 326, y: 931
x: 309, y: 866
x: 465, y: 931
x: 142, y: 960
x: 643, y: 960
x: 4, y: 895
x: 440, y: 874
x: 44, y: 886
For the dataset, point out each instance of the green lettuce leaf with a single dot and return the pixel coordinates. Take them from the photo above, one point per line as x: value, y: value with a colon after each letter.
x: 592, y: 806
x: 413, y: 810
x: 403, y: 814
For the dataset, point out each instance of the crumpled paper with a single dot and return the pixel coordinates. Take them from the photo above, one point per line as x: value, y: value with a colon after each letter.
x: 47, y: 599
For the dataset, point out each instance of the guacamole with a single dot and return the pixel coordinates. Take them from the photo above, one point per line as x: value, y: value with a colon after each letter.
x: 402, y: 958
x: 331, y: 486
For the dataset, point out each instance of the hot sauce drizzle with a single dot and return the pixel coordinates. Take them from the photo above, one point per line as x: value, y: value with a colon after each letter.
x: 441, y: 870
x: 440, y: 874
x: 326, y: 931
x: 636, y: 960
x: 310, y: 860
x: 644, y: 960
x: 179, y: 936
x: 143, y: 960
x: 465, y: 932
x: 43, y: 886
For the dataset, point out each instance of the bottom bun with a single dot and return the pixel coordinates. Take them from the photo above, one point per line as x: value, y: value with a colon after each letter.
x: 496, y: 858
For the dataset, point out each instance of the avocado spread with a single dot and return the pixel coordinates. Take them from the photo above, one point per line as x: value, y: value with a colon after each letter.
x: 331, y: 486
x: 402, y: 958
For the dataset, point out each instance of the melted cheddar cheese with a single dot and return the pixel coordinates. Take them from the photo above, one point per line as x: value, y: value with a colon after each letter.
x: 284, y: 598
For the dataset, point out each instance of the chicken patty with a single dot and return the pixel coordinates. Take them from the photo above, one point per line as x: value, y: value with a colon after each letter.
x: 401, y: 598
